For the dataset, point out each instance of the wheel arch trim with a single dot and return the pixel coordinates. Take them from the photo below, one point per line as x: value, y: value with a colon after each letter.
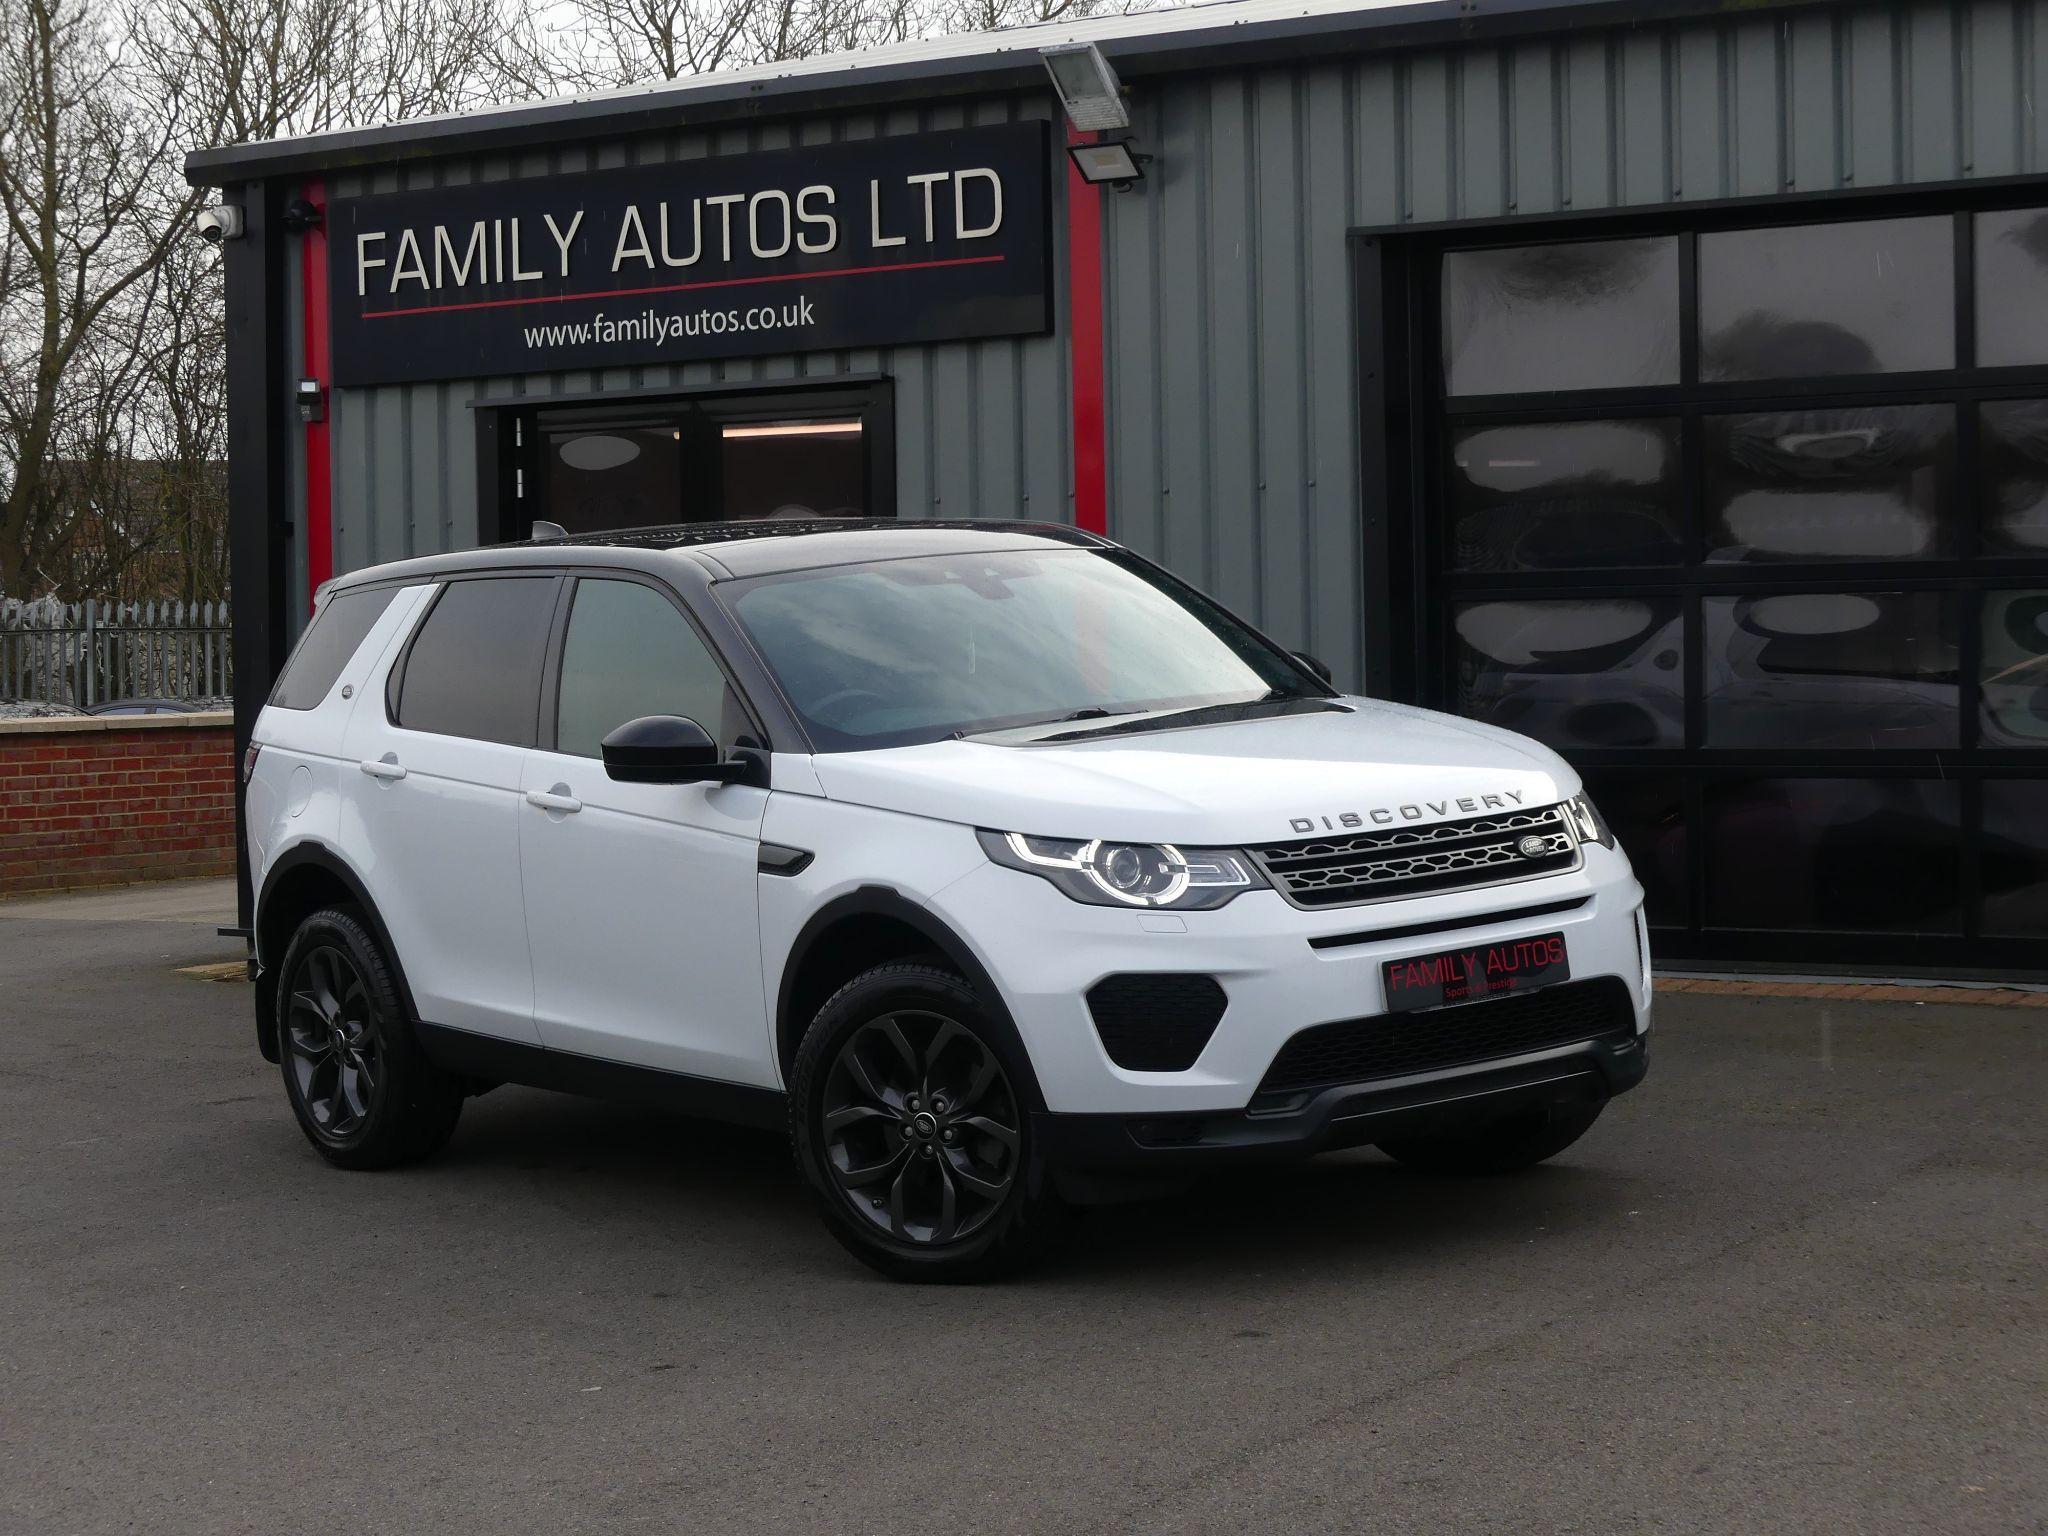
x: 314, y: 854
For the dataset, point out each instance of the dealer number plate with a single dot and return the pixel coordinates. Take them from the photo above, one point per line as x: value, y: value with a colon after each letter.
x: 1480, y: 970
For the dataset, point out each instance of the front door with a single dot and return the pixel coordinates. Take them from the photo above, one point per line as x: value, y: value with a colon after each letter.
x: 640, y: 898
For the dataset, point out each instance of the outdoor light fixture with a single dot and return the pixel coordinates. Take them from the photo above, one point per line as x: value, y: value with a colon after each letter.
x: 300, y: 216
x: 1087, y: 85
x: 312, y: 400
x: 1114, y: 163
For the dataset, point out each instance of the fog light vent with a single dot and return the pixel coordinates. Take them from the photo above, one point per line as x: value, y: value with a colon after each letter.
x: 1156, y: 1023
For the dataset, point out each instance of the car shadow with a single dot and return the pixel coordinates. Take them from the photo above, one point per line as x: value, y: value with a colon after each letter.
x: 1356, y: 1208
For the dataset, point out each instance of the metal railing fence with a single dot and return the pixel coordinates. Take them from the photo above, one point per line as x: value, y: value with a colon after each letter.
x: 79, y: 654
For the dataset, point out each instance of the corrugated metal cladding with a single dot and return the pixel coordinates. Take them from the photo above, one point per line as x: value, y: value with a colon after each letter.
x: 1231, y: 344
x: 1232, y: 417
x: 982, y: 427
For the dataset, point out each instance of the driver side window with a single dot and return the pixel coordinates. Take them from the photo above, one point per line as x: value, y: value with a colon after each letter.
x: 629, y: 653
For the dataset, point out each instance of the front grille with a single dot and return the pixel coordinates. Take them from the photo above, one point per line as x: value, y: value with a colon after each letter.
x: 1430, y: 1039
x: 1156, y: 1023
x: 1419, y: 861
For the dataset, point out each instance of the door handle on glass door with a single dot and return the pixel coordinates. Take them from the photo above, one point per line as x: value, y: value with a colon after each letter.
x: 558, y: 800
x: 385, y: 767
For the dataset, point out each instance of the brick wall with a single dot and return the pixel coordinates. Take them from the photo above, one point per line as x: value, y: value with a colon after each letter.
x: 110, y: 800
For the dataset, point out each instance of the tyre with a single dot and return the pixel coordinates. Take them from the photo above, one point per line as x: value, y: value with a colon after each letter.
x: 363, y: 1091
x: 909, y: 1115
x: 1506, y: 1146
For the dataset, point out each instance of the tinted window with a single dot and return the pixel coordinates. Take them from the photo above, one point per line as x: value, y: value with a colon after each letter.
x: 2015, y: 676
x: 1869, y: 483
x: 1846, y: 854
x: 474, y: 669
x: 629, y: 653
x: 1825, y: 299
x: 1832, y: 670
x: 1589, y: 315
x: 1596, y: 672
x: 2012, y: 287
x: 2014, y: 448
x: 328, y: 643
x: 1565, y: 495
x: 2015, y: 857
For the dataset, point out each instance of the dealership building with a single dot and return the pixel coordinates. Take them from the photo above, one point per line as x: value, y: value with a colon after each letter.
x: 1666, y: 380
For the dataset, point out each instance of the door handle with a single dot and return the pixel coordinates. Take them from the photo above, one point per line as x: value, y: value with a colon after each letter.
x: 385, y: 767
x: 558, y: 800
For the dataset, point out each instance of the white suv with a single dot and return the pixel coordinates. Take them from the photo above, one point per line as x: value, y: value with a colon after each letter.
x: 1003, y: 868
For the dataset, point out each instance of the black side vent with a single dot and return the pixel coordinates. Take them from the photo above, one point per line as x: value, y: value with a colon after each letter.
x: 1156, y: 1023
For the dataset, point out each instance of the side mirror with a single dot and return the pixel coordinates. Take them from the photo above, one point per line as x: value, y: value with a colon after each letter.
x: 1320, y: 668
x: 667, y: 749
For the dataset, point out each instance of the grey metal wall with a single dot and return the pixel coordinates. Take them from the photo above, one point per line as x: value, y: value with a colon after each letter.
x: 1231, y: 343
x: 982, y: 427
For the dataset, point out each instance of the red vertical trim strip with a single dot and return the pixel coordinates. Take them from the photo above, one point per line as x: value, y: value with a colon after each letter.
x: 1084, y: 334
x: 319, y: 461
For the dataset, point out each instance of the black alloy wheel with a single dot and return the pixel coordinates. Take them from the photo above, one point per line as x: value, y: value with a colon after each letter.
x: 332, y: 1045
x: 360, y: 1086
x: 911, y: 1114
x: 920, y: 1127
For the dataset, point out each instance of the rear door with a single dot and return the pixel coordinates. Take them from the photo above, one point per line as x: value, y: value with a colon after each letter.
x: 641, y: 899
x: 438, y: 809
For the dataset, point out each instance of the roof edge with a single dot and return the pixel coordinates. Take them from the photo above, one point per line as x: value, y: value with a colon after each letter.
x: 1001, y: 67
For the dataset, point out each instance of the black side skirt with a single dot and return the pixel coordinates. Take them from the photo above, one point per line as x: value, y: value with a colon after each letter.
x: 509, y: 1061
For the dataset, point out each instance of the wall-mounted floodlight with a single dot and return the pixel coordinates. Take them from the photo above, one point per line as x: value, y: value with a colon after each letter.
x: 1113, y: 163
x: 1087, y: 85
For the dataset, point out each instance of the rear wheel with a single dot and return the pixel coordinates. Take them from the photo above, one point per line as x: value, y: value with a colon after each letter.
x: 1506, y: 1146
x: 363, y: 1091
x: 909, y: 1124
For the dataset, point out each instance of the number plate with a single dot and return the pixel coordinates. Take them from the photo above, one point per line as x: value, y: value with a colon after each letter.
x: 1482, y: 970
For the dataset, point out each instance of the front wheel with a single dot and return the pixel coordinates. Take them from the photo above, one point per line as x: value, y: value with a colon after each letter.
x: 910, y: 1126
x: 1506, y: 1146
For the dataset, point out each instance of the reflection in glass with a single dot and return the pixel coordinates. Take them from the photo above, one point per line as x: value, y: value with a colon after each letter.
x: 1565, y: 495
x: 1817, y: 300
x: 2015, y: 676
x: 1594, y: 673
x: 1647, y: 813
x: 1832, y: 670
x: 2013, y: 453
x: 600, y: 479
x: 1870, y: 855
x: 1855, y: 484
x: 1587, y: 315
x: 2015, y: 858
x: 2012, y: 287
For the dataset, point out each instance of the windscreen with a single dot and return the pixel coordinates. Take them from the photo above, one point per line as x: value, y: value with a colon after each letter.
x: 920, y: 649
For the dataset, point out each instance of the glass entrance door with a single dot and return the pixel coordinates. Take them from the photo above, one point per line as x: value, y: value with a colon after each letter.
x: 725, y: 458
x: 1748, y: 521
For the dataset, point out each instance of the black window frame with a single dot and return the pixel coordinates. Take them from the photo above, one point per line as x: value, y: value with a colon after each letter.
x: 510, y: 433
x: 1405, y: 427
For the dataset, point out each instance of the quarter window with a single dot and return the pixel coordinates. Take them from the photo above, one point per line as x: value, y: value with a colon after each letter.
x: 630, y: 652
x: 474, y: 668
x: 327, y: 645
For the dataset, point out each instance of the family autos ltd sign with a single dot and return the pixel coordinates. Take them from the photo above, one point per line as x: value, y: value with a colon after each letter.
x: 926, y: 237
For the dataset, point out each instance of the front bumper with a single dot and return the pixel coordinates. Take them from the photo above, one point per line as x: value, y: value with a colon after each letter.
x: 1350, y: 1115
x: 1044, y: 952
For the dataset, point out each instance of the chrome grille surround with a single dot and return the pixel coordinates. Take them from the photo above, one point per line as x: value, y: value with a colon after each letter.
x: 1356, y: 868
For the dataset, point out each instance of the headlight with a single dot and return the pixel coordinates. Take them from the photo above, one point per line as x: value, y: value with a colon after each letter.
x: 1127, y: 874
x: 1586, y: 822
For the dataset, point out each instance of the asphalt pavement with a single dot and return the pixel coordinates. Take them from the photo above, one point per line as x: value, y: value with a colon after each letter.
x: 1799, y: 1281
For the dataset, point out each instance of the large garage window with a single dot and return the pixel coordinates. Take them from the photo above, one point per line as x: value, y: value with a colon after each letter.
x: 1750, y: 520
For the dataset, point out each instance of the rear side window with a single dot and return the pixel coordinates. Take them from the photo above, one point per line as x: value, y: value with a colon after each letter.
x: 474, y: 667
x: 328, y: 643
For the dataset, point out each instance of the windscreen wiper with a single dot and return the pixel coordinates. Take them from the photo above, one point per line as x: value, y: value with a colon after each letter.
x: 1204, y: 714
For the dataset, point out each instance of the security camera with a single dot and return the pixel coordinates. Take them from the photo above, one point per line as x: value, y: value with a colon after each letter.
x: 221, y: 222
